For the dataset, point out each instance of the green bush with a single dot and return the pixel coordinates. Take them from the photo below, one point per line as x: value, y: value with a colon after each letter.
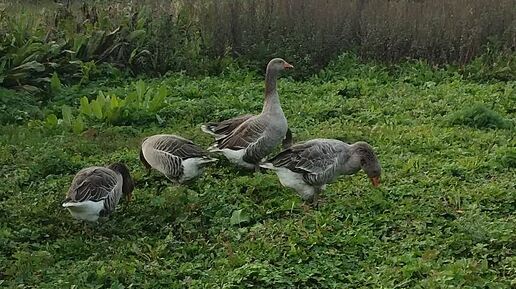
x: 479, y: 116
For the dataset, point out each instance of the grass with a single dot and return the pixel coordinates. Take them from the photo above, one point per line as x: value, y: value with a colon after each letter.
x: 443, y: 217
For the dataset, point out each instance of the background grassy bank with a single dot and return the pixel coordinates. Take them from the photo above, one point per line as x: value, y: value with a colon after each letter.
x: 74, y: 41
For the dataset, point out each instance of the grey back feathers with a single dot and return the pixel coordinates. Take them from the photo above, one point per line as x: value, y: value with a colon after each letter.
x: 317, y: 160
x: 101, y: 185
x: 322, y: 160
x: 258, y: 136
x: 225, y: 127
x: 179, y: 159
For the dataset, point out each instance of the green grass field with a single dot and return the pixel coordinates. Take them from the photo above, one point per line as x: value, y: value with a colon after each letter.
x: 444, y: 216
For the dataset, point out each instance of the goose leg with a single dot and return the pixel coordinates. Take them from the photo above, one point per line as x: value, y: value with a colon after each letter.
x: 315, y: 198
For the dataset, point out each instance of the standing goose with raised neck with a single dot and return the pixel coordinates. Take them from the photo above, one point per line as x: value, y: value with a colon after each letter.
x: 96, y: 191
x: 179, y: 159
x: 308, y: 166
x: 250, y: 138
x: 226, y: 127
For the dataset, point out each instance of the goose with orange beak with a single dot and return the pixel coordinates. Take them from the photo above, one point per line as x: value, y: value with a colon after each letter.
x: 246, y: 140
x: 308, y: 166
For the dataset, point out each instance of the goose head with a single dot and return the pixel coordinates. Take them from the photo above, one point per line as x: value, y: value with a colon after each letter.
x: 277, y: 65
x: 271, y: 74
x: 127, y: 180
x: 369, y: 162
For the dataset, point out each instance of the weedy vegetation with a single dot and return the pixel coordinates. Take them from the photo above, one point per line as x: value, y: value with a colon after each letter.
x: 82, y: 85
x: 74, y: 40
x: 443, y: 217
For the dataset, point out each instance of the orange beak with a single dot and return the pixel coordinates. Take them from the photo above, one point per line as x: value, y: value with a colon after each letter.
x: 287, y: 65
x: 375, y: 181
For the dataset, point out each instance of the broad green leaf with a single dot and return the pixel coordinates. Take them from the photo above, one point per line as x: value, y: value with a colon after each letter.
x: 112, y: 115
x: 238, y: 217
x: 32, y: 65
x: 30, y: 88
x: 85, y: 107
x: 55, y: 83
x: 111, y: 108
x: 95, y: 42
x: 51, y: 121
x: 131, y: 100
x: 78, y: 42
x: 106, y: 107
x: 101, y: 98
x: 163, y: 91
x: 96, y: 109
x: 140, y: 23
x: 159, y: 99
x: 161, y: 121
x: 115, y: 102
x: 78, y: 125
x: 67, y: 115
x: 140, y: 89
x: 147, y: 99
x: 41, y: 80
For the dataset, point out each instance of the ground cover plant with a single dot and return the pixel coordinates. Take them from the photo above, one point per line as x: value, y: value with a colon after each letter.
x: 443, y: 217
x: 74, y: 40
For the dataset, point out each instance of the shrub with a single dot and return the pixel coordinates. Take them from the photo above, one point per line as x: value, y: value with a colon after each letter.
x: 479, y: 116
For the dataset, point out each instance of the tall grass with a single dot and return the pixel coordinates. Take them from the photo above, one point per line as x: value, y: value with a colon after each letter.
x: 441, y: 31
x: 202, y: 36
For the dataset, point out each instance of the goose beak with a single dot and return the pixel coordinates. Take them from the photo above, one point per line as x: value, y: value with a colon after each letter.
x: 129, y: 197
x: 287, y: 65
x: 375, y: 181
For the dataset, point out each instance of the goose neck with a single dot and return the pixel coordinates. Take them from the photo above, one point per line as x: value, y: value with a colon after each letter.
x: 271, y: 76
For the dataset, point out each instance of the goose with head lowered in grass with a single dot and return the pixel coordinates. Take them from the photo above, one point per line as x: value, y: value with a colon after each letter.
x: 308, y: 166
x: 179, y: 159
x: 96, y: 191
x: 247, y: 139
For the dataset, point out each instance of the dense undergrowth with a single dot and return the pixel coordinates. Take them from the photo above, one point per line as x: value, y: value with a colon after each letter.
x: 78, y: 41
x: 443, y: 217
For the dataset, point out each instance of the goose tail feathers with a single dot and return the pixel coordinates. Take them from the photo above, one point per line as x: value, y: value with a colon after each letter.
x: 268, y: 166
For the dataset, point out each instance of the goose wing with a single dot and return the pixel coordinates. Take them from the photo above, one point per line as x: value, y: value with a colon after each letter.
x: 250, y: 135
x: 93, y: 184
x: 316, y: 160
x: 167, y: 152
x: 225, y: 127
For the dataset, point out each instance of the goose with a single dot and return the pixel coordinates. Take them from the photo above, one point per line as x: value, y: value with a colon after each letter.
x: 247, y: 139
x: 179, y: 159
x: 308, y: 166
x: 96, y: 191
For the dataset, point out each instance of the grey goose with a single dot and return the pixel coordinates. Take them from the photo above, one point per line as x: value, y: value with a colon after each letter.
x: 308, y: 166
x: 247, y: 139
x: 96, y: 191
